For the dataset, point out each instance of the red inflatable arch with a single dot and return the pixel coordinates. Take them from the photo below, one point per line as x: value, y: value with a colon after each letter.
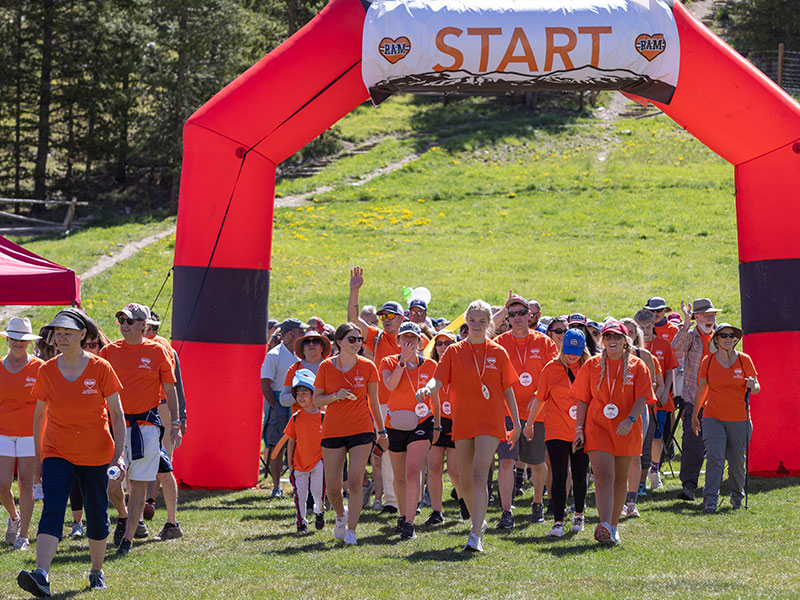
x: 222, y: 252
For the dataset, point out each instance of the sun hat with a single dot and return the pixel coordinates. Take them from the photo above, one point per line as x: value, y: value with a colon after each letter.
x: 450, y: 335
x: 312, y: 334
x: 391, y: 307
x: 574, y: 342
x: 517, y: 299
x: 19, y: 329
x: 704, y: 305
x: 303, y: 378
x: 135, y: 311
x: 712, y: 346
x: 67, y: 320
x: 410, y: 327
x: 656, y: 303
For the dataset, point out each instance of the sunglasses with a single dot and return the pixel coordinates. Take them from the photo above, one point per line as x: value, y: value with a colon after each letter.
x: 612, y: 336
x: 416, y: 311
x: 726, y: 335
x: 443, y: 342
x: 558, y: 331
x: 389, y: 317
x: 518, y: 313
x: 122, y: 320
x: 93, y: 344
x: 312, y: 343
x: 354, y: 338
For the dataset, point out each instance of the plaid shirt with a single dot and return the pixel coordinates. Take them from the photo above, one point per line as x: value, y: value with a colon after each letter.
x: 691, y: 344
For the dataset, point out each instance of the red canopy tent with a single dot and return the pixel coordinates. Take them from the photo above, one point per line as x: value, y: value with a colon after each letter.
x: 26, y: 278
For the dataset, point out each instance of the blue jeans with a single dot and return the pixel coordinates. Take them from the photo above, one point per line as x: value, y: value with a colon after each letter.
x: 57, y: 477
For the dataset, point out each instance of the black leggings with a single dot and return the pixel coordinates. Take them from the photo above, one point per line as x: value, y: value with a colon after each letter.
x: 75, y: 496
x: 561, y: 456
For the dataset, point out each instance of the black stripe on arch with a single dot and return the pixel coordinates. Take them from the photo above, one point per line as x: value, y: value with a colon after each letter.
x: 770, y: 291
x: 231, y: 308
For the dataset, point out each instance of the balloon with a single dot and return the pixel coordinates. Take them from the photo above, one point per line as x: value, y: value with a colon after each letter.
x: 405, y: 292
x: 421, y: 293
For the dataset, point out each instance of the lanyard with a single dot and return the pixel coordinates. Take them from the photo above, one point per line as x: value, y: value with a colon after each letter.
x: 611, y: 386
x: 524, y: 354
x: 416, y: 371
x: 341, y: 370
x: 475, y: 360
x: 570, y: 374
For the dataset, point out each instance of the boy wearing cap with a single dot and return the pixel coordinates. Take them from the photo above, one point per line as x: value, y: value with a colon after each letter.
x: 693, y: 342
x: 273, y: 373
x: 144, y: 368
x: 663, y: 328
x: 304, y: 430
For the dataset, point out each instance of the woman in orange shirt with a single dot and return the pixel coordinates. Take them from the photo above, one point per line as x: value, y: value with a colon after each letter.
x: 347, y: 385
x: 556, y: 330
x: 17, y: 376
x: 725, y: 375
x: 612, y: 389
x: 480, y: 375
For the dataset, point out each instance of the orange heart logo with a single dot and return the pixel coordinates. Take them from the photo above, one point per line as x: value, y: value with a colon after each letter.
x: 650, y: 46
x: 394, y: 50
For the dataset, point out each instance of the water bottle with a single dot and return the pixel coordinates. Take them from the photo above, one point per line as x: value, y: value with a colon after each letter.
x: 114, y: 472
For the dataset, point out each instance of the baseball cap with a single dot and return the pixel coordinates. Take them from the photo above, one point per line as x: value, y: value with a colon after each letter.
x: 418, y: 302
x: 137, y: 312
x: 303, y: 378
x: 292, y: 324
x: 516, y: 299
x: 410, y: 327
x: 391, y: 307
x: 574, y: 342
x: 614, y: 326
x: 576, y: 318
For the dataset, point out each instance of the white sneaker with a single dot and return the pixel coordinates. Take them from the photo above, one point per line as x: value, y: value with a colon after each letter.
x: 633, y: 512
x: 557, y: 530
x: 655, y: 481
x: 22, y: 544
x: 12, y: 531
x: 577, y: 523
x: 38, y: 494
x: 615, y: 535
x: 624, y: 511
x: 474, y: 543
x: 340, y: 527
x: 350, y: 538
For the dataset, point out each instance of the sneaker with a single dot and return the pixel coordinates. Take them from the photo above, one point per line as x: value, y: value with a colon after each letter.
x: 124, y: 547
x: 408, y: 532
x: 655, y: 480
x: 633, y: 512
x: 340, y: 527
x: 577, y: 524
x: 149, y: 509
x: 97, y: 580
x: 401, y: 521
x: 642, y: 493
x: 557, y: 530
x: 687, y: 493
x: 319, y: 521
x: 377, y: 505
x: 367, y: 489
x: 388, y: 509
x: 462, y: 506
x: 624, y: 512
x: 506, y: 520
x: 170, y: 531
x: 34, y: 582
x: 77, y: 531
x: 436, y: 518
x: 12, y: 531
x: 141, y: 531
x: 615, y: 535
x: 549, y: 509
x: 302, y: 527
x: 736, y: 503
x: 603, y: 534
x: 22, y: 543
x: 537, y: 512
x: 119, y: 531
x: 710, y: 509
x: 350, y: 538
x: 474, y: 543
x: 277, y: 492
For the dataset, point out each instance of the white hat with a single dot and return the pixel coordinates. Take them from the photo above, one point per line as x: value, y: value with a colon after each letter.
x: 20, y: 329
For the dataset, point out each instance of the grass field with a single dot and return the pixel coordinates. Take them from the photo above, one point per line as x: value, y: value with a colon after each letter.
x: 579, y: 213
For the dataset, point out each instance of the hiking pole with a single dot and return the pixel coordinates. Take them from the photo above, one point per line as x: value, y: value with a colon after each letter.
x: 747, y: 448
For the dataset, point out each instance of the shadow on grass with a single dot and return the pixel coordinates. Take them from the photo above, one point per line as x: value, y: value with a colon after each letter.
x: 454, y: 554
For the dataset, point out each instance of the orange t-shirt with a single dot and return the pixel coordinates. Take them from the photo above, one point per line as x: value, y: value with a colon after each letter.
x: 529, y: 355
x: 473, y: 414
x: 168, y: 347
x: 726, y: 387
x: 305, y: 429
x: 560, y: 409
x: 665, y: 357
x: 403, y: 396
x: 386, y: 347
x: 141, y: 368
x: 347, y: 417
x: 16, y: 404
x: 77, y: 418
x: 667, y: 331
x: 600, y: 431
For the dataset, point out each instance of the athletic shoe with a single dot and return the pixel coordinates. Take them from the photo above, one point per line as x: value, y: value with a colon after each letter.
x: 401, y: 521
x: 124, y: 547
x: 141, y: 531
x: 350, y: 538
x: 462, y: 506
x: 38, y: 493
x: 302, y: 527
x: 736, y: 503
x: 34, y: 582
x: 549, y: 508
x: 119, y: 531
x: 12, y: 531
x: 97, y: 580
x: 340, y: 527
x: 377, y: 505
x: 22, y: 544
x: 367, y: 489
x: 436, y: 518
x: 537, y: 512
x: 506, y: 520
x: 557, y: 530
x: 170, y: 531
x: 408, y: 532
x: 319, y: 521
x: 603, y: 533
x: 149, y: 509
x: 633, y: 512
x: 624, y: 512
x: 615, y: 535
x: 710, y: 509
x: 577, y: 524
x: 642, y: 493
x: 474, y: 543
x: 655, y: 480
x: 687, y: 493
x: 277, y: 492
x: 388, y: 509
x: 77, y: 531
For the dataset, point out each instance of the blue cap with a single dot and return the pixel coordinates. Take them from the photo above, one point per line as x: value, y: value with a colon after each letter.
x: 303, y: 378
x: 574, y: 342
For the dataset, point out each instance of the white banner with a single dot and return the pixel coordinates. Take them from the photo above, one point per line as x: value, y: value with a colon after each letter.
x: 515, y: 45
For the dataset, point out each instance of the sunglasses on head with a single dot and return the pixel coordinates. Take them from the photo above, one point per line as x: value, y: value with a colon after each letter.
x: 122, y: 320
x: 354, y: 338
x: 726, y: 335
x: 388, y: 317
x: 558, y: 331
x: 518, y: 313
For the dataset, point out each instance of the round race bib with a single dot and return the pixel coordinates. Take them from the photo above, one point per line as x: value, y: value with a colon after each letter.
x: 485, y: 391
x: 610, y: 411
x: 421, y: 410
x: 525, y: 379
x: 573, y: 413
x: 446, y: 407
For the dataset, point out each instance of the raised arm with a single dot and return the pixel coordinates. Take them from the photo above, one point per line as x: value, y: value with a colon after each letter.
x: 353, y: 311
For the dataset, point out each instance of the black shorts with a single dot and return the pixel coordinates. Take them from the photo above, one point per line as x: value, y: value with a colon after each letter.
x: 445, y: 435
x: 349, y: 441
x: 399, y: 440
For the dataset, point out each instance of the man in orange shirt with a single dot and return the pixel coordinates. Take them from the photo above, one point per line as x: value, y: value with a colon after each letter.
x: 144, y: 367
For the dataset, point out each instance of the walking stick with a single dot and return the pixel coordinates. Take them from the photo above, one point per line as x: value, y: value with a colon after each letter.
x: 747, y: 448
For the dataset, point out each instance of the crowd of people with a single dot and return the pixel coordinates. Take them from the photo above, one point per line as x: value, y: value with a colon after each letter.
x: 90, y: 421
x: 557, y: 402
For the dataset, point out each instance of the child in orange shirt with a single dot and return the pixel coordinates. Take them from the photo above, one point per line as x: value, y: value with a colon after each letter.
x: 305, y: 451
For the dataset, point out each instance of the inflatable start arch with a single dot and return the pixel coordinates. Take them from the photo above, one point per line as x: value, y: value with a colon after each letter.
x: 650, y: 49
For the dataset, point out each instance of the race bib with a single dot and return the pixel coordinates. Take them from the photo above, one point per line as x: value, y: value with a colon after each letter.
x: 421, y: 410
x: 610, y: 411
x: 446, y: 407
x: 573, y: 413
x: 525, y: 379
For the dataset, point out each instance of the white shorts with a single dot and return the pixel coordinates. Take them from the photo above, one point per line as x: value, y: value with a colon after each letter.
x: 18, y: 447
x: 145, y: 468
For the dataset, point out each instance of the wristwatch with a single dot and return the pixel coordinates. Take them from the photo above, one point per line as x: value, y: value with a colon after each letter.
x: 633, y: 419
x: 401, y: 364
x: 440, y: 428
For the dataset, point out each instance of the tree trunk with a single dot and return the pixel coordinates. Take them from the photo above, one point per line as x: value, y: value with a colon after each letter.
x: 18, y: 104
x: 124, y: 114
x: 292, y: 16
x: 43, y: 146
x: 178, y: 114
